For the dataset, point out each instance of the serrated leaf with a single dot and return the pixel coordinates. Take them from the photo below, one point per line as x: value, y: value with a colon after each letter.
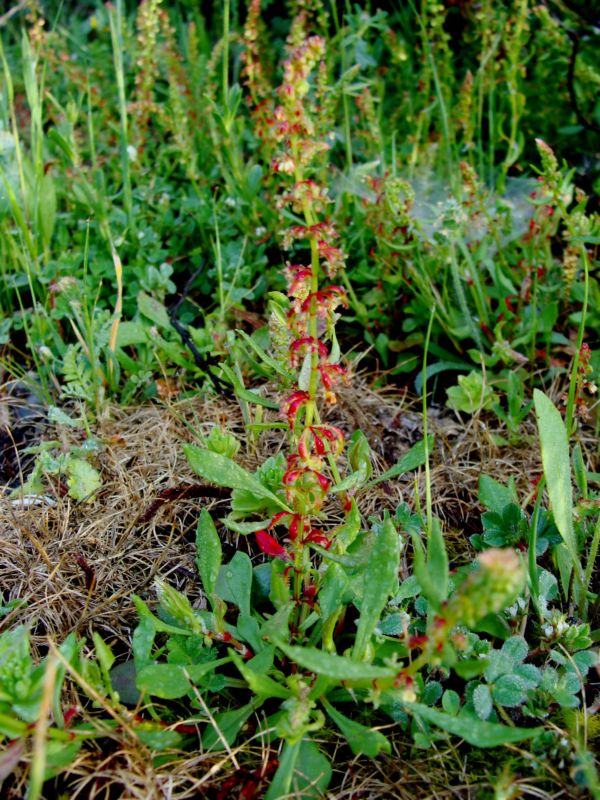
x: 223, y: 471
x: 83, y: 480
x: 362, y: 740
x: 473, y: 731
x: 58, y: 417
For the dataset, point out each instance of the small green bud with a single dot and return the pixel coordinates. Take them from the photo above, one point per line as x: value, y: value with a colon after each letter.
x: 222, y: 442
x: 178, y: 607
x: 494, y: 585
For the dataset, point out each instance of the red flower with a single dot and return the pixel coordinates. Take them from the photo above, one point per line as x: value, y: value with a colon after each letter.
x: 271, y: 547
x: 329, y: 372
x: 318, y: 537
x: 310, y: 344
x: 292, y: 405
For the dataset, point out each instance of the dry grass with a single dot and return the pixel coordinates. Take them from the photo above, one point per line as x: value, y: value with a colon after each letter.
x: 75, y: 566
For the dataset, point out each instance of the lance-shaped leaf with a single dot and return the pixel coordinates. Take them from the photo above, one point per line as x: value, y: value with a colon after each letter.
x: 554, y: 445
x: 338, y: 668
x: 362, y: 740
x: 208, y: 552
x: 473, y: 731
x: 379, y: 583
x: 223, y: 471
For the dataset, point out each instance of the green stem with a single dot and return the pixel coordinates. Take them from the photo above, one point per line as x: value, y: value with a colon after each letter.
x: 428, y: 500
x: 225, y: 73
x: 534, y: 584
x: 580, y: 333
x: 593, y: 554
x: 115, y: 18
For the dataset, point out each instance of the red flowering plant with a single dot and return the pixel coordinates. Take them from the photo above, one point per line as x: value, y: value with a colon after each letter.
x: 305, y: 629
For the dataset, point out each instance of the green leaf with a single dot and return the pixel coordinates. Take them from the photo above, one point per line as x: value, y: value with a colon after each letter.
x: 431, y: 573
x: 359, y: 455
x: 471, y: 394
x: 244, y: 528
x: 228, y: 724
x: 47, y: 208
x: 261, y: 684
x: 557, y: 468
x: 163, y: 680
x: 58, y: 756
x: 347, y: 532
x: 208, y: 552
x: 509, y: 691
x: 156, y: 737
x: 234, y: 582
x: 516, y: 648
x: 379, y: 583
x: 451, y: 702
x: 470, y: 667
x: 482, y: 701
x: 529, y: 674
x: 83, y: 480
x: 475, y: 732
x: 362, y: 740
x: 248, y: 630
x: 58, y: 417
x: 338, y: 668
x: 304, y: 773
x: 333, y: 589
x: 105, y: 657
x: 223, y: 471
x: 496, y: 496
x: 143, y: 639
x: 253, y: 397
x: 271, y: 362
x: 197, y: 672
x: 411, y: 460
x: 153, y: 310
x: 437, y: 561
x: 151, y: 620
x: 170, y: 681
